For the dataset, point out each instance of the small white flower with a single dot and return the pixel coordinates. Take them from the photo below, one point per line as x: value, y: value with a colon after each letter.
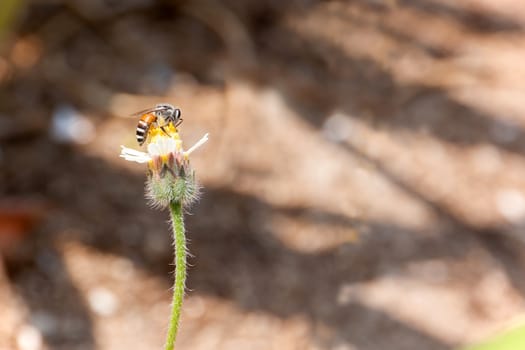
x: 170, y: 177
x: 160, y: 146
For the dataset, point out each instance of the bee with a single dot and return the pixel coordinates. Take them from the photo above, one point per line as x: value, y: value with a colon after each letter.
x: 162, y: 113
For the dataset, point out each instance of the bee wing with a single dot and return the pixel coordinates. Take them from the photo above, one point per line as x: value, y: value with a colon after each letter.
x: 148, y: 110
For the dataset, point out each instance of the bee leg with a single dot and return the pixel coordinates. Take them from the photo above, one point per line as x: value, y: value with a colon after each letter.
x: 179, y: 122
x: 164, y: 130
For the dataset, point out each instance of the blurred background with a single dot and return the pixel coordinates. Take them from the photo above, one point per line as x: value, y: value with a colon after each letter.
x: 363, y: 186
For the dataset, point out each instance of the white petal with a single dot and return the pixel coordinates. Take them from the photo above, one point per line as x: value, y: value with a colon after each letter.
x: 134, y: 155
x: 168, y: 145
x: 153, y: 149
x: 162, y: 146
x: 131, y: 151
x: 197, y: 145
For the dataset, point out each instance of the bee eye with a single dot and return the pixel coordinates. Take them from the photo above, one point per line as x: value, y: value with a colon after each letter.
x: 177, y: 114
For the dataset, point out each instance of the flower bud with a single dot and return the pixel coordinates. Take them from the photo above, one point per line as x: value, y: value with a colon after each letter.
x: 170, y: 179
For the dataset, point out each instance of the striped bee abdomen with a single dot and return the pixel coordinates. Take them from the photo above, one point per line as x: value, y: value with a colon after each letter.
x: 143, y: 127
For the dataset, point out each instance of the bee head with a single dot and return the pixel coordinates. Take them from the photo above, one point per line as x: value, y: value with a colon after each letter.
x: 167, y: 112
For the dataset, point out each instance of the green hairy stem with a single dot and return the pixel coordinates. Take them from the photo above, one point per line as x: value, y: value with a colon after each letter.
x: 177, y: 222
